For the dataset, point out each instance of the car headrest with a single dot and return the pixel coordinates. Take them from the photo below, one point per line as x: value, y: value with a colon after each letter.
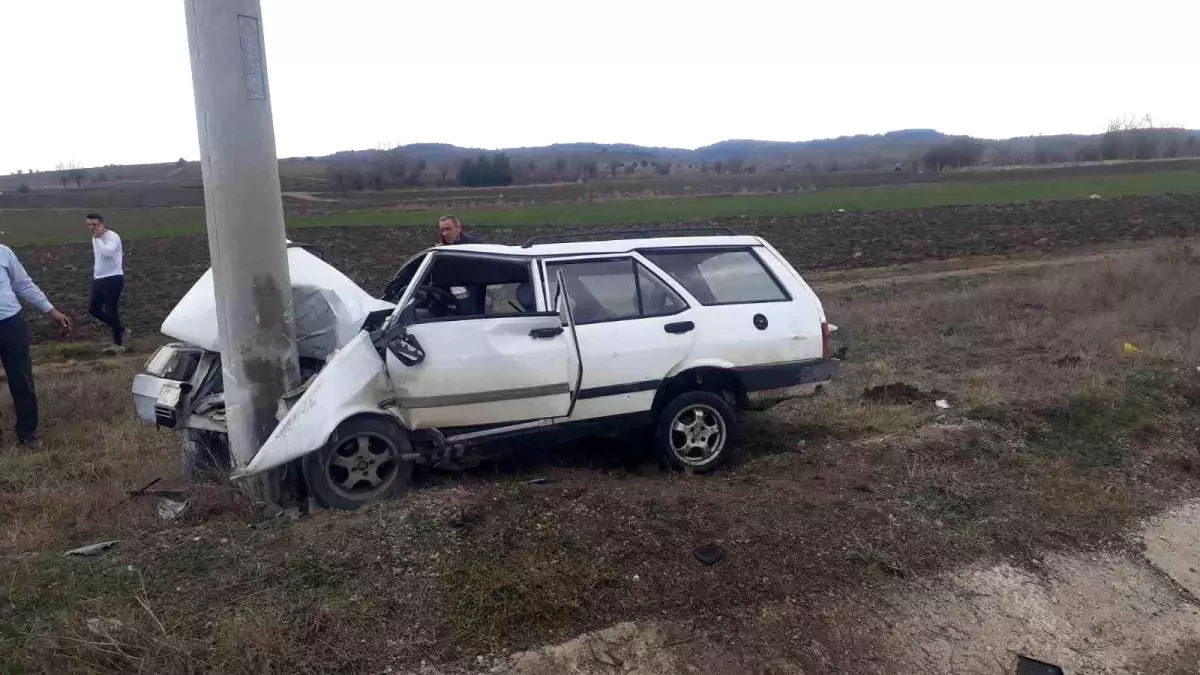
x: 525, y: 296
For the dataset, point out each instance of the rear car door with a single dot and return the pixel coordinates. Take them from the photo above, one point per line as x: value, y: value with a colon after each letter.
x: 632, y: 326
x: 752, y: 313
x: 499, y: 356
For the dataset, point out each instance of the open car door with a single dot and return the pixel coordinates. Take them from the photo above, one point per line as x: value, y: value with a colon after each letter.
x: 494, y: 352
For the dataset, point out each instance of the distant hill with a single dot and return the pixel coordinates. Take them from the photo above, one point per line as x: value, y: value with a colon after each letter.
x: 907, y: 149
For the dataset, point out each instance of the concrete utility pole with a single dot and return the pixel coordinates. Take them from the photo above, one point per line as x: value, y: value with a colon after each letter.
x: 244, y: 210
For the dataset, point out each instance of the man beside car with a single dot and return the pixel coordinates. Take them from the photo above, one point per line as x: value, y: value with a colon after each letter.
x: 450, y: 231
x: 15, y: 285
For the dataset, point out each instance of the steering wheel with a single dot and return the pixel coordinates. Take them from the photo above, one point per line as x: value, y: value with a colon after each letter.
x: 438, y: 301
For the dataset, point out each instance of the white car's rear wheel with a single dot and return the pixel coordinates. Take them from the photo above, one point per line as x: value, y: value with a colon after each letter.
x: 362, y: 462
x: 698, y: 431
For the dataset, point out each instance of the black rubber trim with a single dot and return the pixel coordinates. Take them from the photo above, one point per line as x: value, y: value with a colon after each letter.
x: 619, y: 389
x: 788, y: 374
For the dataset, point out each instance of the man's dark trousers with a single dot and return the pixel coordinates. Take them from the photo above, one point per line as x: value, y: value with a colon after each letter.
x: 18, y: 369
x: 106, y: 301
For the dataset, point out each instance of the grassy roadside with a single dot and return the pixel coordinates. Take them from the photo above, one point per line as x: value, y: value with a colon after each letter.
x: 1055, y: 439
x: 54, y: 226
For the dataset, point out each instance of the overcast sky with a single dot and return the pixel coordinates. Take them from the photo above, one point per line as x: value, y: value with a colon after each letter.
x: 102, y: 82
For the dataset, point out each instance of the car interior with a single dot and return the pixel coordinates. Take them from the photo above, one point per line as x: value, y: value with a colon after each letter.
x: 466, y: 285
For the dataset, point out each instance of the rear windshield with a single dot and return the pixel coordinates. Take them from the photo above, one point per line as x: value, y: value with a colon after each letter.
x: 720, y: 277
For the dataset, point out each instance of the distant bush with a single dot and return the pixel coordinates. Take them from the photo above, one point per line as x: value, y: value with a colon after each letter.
x: 494, y: 171
x: 956, y: 154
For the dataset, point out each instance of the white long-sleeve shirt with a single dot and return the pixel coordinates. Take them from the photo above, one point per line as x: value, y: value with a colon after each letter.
x: 14, y: 283
x: 109, y: 255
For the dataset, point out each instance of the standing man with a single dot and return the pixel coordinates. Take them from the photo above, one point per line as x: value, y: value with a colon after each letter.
x: 450, y: 231
x: 14, y: 340
x: 108, y: 278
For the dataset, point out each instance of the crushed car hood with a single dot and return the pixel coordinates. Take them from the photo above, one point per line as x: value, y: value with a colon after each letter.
x: 329, y: 308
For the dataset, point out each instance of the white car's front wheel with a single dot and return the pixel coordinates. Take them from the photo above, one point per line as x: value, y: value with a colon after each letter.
x: 697, y: 431
x: 363, y: 461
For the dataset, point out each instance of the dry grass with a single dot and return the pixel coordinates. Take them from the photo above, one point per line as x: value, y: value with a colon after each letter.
x: 1055, y: 439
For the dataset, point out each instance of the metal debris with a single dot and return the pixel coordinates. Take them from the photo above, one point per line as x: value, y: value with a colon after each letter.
x: 169, y: 509
x: 93, y: 549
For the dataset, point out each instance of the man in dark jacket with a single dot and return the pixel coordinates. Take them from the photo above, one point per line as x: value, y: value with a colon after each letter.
x: 450, y: 231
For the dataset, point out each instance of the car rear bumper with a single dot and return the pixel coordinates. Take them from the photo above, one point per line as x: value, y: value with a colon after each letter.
x: 788, y: 374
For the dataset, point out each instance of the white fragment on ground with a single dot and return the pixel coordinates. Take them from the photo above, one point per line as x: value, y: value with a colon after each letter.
x: 93, y: 549
x: 942, y: 403
x: 104, y: 626
x: 169, y: 509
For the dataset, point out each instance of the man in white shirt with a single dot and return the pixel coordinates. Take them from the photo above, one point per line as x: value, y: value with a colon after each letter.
x: 15, y: 285
x: 108, y: 278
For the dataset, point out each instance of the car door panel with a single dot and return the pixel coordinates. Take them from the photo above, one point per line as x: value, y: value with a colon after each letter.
x: 490, y: 369
x: 485, y: 371
x: 625, y: 359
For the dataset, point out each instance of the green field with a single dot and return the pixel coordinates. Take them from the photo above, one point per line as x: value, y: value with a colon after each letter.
x: 55, y: 226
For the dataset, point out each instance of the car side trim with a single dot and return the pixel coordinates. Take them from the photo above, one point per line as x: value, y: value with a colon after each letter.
x: 484, y: 396
x: 788, y: 374
x: 619, y: 389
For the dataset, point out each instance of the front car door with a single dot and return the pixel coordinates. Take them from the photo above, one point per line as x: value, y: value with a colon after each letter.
x: 633, y: 327
x: 494, y: 352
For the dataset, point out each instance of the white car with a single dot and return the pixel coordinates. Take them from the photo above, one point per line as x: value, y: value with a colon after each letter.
x: 489, y: 343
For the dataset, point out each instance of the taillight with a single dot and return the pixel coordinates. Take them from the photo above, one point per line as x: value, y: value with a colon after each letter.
x: 826, y: 340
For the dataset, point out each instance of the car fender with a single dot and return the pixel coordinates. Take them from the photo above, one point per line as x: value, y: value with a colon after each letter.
x: 353, y: 382
x: 684, y: 366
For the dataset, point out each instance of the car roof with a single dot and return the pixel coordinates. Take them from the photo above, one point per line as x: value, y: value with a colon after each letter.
x: 574, y: 248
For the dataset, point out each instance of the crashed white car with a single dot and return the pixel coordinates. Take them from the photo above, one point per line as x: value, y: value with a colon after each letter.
x: 478, y: 344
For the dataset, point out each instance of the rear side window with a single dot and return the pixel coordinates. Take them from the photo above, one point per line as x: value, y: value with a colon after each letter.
x: 612, y: 290
x: 720, y: 277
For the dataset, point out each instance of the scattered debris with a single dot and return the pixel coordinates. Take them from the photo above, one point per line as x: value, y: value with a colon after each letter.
x: 169, y: 509
x: 900, y: 393
x: 539, y: 481
x: 290, y: 514
x: 136, y: 493
x: 1094, y: 196
x: 942, y: 403
x: 710, y: 555
x: 1068, y: 361
x: 1129, y: 349
x: 93, y: 549
x: 103, y: 626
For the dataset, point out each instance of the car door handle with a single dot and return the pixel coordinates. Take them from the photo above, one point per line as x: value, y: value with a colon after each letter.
x: 679, y: 327
x: 545, y: 333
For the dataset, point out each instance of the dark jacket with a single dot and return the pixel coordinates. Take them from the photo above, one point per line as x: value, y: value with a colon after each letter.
x: 465, y: 238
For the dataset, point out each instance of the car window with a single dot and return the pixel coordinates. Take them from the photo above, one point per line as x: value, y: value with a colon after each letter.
x: 720, y: 277
x: 607, y: 290
x: 507, y: 299
x: 657, y: 297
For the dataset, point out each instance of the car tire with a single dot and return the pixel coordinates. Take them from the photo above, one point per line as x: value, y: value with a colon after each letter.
x: 362, y: 462
x: 205, y: 457
x: 697, y: 431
